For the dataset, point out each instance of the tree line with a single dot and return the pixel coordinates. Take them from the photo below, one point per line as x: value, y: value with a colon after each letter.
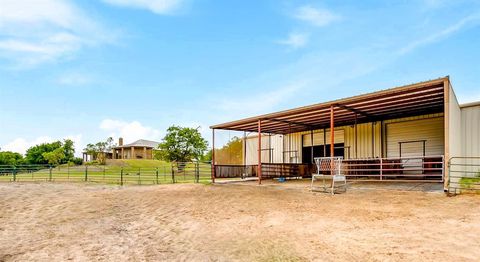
x: 55, y: 153
x: 180, y: 144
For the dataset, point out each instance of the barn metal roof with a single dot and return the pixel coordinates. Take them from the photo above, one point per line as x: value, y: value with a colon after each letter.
x: 415, y: 99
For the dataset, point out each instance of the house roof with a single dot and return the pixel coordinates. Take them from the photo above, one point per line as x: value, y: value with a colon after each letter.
x: 141, y: 143
x: 420, y: 98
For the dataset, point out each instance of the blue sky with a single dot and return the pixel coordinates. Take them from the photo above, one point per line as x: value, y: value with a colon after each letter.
x: 91, y: 69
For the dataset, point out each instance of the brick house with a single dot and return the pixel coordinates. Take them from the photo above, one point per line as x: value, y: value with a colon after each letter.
x: 140, y: 149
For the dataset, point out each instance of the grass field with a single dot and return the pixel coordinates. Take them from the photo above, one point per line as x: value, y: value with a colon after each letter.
x: 125, y: 172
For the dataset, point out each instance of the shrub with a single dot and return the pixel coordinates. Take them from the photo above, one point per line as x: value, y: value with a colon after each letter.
x: 77, y: 161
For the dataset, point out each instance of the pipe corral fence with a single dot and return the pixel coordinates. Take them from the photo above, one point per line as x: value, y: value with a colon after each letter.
x: 183, y: 172
x: 416, y: 169
x: 464, y: 175
x: 463, y: 172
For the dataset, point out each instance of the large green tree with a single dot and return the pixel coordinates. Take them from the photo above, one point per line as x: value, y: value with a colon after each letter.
x: 54, y: 157
x: 36, y: 154
x: 10, y: 158
x: 100, y: 149
x: 182, y: 144
x: 68, y: 151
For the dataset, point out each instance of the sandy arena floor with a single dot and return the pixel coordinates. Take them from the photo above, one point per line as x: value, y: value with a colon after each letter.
x: 58, y: 222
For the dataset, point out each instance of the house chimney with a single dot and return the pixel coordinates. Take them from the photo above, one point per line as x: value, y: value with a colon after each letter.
x: 120, y: 141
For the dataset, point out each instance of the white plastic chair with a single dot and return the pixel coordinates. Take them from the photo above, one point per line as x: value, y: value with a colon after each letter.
x: 329, y: 168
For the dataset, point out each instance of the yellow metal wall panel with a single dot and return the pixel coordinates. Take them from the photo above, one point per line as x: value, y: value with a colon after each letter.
x: 368, y: 142
x: 343, y: 134
x: 429, y: 129
x: 318, y: 137
x: 274, y: 142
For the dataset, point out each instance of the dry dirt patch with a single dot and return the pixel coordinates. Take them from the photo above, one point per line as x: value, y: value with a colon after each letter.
x: 232, y: 223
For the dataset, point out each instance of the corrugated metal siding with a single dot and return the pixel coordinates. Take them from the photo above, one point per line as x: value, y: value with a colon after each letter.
x: 471, y: 131
x: 364, y: 141
x: 275, y: 142
x: 338, y: 136
x: 368, y: 137
x: 293, y: 142
x: 454, y: 126
x: 430, y: 129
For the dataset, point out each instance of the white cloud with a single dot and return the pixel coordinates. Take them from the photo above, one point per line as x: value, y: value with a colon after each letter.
x: 315, y: 16
x: 161, y: 7
x: 39, y: 31
x: 263, y: 101
x: 74, y: 79
x: 437, y: 36
x: 130, y: 131
x: 295, y: 40
x: 20, y: 145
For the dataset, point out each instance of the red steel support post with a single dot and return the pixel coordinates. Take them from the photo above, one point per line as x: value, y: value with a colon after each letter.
x: 259, y: 166
x: 332, y: 138
x: 213, y: 155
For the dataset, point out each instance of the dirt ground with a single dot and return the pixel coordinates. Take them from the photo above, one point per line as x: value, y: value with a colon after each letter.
x: 192, y: 222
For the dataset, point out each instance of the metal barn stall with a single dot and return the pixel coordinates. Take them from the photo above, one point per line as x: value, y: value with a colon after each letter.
x: 400, y: 134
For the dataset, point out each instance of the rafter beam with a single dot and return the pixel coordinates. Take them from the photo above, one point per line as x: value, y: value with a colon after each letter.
x: 356, y: 111
x: 287, y: 122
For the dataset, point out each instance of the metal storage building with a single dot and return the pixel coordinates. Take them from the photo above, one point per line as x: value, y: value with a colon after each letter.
x: 403, y: 133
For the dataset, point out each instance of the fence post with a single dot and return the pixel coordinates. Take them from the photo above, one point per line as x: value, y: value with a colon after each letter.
x: 449, y: 165
x: 173, y: 175
x: 156, y: 175
x: 139, y: 177
x: 121, y: 176
x: 14, y: 173
x: 381, y: 169
x: 197, y: 172
x: 50, y: 174
x: 86, y: 173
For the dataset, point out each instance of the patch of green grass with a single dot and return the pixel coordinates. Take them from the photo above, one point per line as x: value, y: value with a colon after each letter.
x: 139, y: 172
x: 470, y: 182
x: 137, y: 163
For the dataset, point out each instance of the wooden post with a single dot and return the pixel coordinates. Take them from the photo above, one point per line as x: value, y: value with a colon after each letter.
x: 332, y: 131
x: 213, y: 155
x: 259, y: 166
